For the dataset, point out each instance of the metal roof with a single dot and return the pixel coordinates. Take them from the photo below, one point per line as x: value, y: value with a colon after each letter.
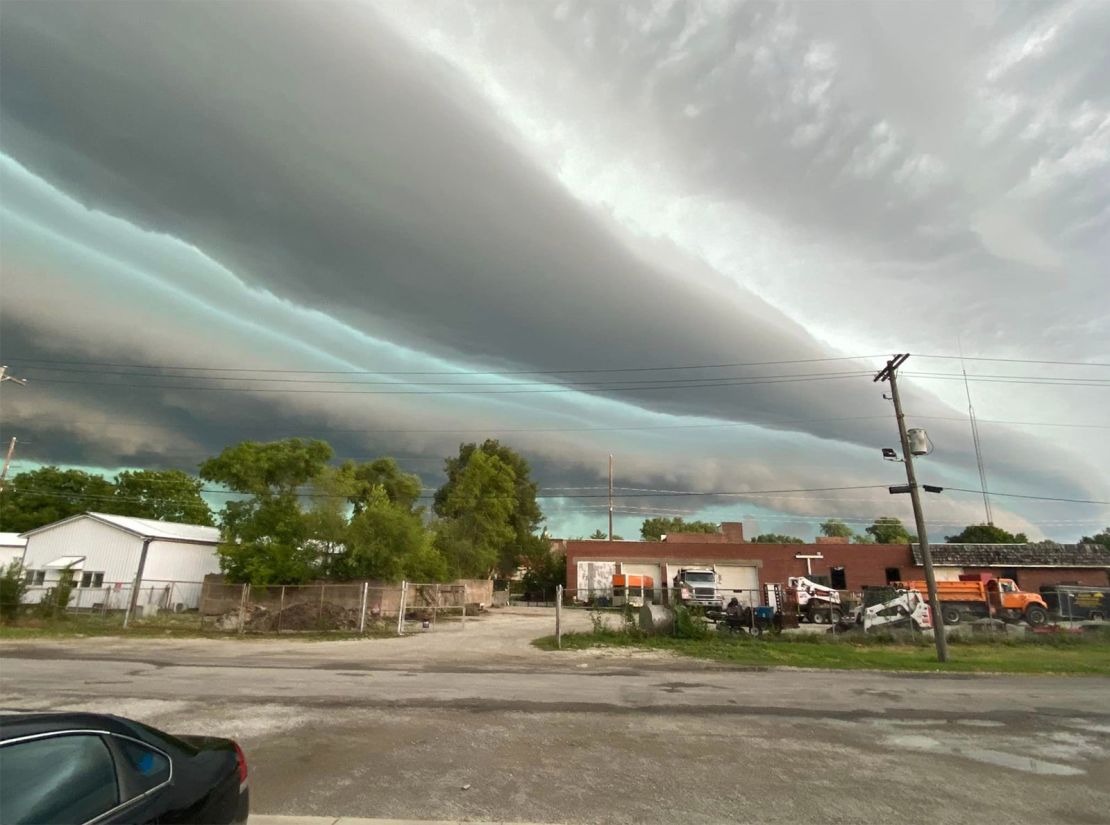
x: 145, y: 528
x: 73, y: 562
x: 12, y: 540
x: 1017, y: 555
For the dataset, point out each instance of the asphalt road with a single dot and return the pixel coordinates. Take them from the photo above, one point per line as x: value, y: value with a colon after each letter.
x: 477, y: 724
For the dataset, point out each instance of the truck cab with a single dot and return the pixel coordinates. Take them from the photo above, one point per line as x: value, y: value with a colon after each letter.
x: 698, y: 585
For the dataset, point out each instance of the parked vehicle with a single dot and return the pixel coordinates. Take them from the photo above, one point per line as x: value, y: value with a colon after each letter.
x: 817, y: 603
x: 889, y: 607
x: 1073, y: 602
x: 62, y: 768
x: 698, y: 585
x: 977, y: 595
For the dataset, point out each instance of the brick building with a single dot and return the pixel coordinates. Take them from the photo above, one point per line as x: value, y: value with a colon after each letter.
x: 746, y: 565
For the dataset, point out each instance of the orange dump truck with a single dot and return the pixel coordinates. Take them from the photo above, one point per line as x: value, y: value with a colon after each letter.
x: 633, y: 590
x: 977, y: 596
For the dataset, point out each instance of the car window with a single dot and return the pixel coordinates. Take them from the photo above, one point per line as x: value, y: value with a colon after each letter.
x: 144, y: 768
x: 60, y: 779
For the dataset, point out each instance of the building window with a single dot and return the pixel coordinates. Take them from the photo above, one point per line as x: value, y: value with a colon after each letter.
x: 89, y: 579
x: 893, y: 574
x: 838, y: 578
x: 36, y: 576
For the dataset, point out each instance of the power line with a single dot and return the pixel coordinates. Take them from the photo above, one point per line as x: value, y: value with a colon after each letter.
x: 1035, y: 498
x: 541, y: 371
x: 669, y: 385
x: 1015, y: 360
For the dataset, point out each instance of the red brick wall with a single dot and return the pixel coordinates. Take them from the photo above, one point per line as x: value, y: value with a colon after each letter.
x: 862, y: 563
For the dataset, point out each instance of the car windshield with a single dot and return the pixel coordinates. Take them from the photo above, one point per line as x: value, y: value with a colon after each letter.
x: 699, y: 578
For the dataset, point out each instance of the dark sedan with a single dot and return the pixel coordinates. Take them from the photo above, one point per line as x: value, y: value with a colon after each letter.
x: 63, y: 768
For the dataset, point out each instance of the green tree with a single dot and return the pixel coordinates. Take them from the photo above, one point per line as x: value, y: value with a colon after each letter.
x: 388, y: 541
x: 653, y: 529
x: 268, y: 538
x: 401, y: 488
x: 48, y: 494
x: 835, y: 528
x: 544, y: 568
x: 776, y: 538
x: 601, y: 535
x: 986, y: 534
x: 526, y: 516
x: 477, y: 533
x: 889, y: 530
x: 13, y: 587
x: 1102, y: 538
x: 166, y: 495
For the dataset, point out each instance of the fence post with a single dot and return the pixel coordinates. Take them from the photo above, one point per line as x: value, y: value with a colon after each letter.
x: 244, y: 599
x: 463, y: 586
x: 362, y: 610
x: 320, y: 614
x: 435, y: 607
x: 559, y: 616
x: 281, y: 608
x: 401, y: 609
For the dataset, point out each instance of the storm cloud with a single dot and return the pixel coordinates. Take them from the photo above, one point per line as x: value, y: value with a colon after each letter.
x: 456, y: 190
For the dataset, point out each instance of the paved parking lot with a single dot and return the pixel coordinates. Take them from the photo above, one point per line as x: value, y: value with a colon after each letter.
x: 479, y: 725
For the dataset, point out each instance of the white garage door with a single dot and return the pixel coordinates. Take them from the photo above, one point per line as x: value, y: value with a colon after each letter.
x: 633, y: 569
x: 741, y: 581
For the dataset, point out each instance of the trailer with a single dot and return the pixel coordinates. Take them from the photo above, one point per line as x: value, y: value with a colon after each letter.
x: 981, y: 595
x: 1073, y: 602
x: 632, y: 590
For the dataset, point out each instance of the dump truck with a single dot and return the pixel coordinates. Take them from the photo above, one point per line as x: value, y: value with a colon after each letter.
x: 981, y: 595
x: 1076, y: 603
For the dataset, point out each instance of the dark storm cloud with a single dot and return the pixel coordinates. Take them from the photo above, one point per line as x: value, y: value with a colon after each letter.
x: 320, y: 157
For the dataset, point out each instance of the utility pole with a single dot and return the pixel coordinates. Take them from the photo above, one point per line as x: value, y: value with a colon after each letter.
x: 7, y: 463
x: 610, y: 497
x: 890, y: 373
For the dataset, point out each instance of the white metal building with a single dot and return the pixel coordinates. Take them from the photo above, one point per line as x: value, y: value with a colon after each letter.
x: 105, y: 554
x: 11, y: 548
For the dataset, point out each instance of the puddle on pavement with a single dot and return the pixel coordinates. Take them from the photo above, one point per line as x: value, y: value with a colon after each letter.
x: 1001, y: 759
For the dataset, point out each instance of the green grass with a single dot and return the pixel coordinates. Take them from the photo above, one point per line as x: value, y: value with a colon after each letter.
x: 1057, y: 654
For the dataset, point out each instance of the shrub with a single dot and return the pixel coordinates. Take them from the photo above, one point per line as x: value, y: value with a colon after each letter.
x: 13, y: 587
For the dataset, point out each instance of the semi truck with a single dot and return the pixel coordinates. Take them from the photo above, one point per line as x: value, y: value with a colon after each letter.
x: 1073, y: 602
x: 981, y: 595
x: 698, y: 586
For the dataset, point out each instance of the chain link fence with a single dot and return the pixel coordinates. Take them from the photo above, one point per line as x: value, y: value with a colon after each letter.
x: 356, y: 608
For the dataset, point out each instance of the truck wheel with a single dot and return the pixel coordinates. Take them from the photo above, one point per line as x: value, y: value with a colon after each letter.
x: 834, y: 616
x: 1036, y: 615
x: 951, y: 615
x: 818, y: 616
x: 1096, y: 616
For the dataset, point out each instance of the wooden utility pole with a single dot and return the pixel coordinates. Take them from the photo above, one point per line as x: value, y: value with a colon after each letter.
x: 890, y: 373
x: 610, y: 497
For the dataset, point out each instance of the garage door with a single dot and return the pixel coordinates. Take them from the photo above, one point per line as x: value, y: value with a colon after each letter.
x: 633, y: 569
x: 741, y: 581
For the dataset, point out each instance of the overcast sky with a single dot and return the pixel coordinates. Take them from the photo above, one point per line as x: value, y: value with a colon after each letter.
x: 515, y: 196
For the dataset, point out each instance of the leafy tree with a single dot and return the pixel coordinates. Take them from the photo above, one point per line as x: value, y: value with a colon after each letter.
x: 986, y: 534
x: 166, y: 495
x: 401, y: 488
x: 268, y: 468
x: 526, y: 516
x: 653, y: 529
x: 386, y: 540
x: 835, y: 528
x: 268, y: 538
x: 1102, y: 538
x: 776, y: 538
x: 601, y: 535
x: 545, y: 569
x: 37, y: 497
x: 478, y: 533
x: 889, y: 530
